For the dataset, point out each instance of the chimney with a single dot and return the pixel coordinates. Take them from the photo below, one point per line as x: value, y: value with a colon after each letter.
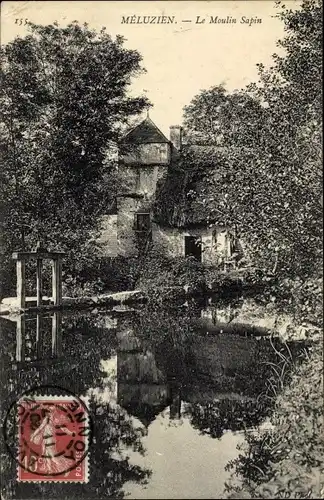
x: 175, y: 406
x: 176, y: 136
x: 175, y: 409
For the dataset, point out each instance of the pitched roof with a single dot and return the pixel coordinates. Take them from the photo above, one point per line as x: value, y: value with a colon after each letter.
x: 145, y: 132
x: 173, y: 205
x: 198, y: 164
x: 144, y: 412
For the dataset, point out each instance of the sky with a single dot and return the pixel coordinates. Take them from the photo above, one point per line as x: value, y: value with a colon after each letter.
x: 181, y: 58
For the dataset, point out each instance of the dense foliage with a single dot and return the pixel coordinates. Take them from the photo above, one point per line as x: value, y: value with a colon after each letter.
x: 256, y: 165
x: 64, y: 102
x: 272, y: 467
x: 268, y: 137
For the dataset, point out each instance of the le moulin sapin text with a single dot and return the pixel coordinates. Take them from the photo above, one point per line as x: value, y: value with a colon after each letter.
x: 248, y: 21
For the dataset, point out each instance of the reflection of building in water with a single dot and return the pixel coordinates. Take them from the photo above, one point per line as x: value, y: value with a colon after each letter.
x: 221, y: 369
x: 38, y: 338
x: 109, y: 392
x: 147, y: 384
x: 143, y: 389
x: 175, y: 405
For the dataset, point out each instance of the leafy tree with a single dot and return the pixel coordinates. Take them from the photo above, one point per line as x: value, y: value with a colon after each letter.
x: 64, y: 103
x: 216, y: 117
x: 266, y: 178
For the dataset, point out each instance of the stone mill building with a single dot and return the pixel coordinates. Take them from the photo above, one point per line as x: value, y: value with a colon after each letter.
x: 145, y: 158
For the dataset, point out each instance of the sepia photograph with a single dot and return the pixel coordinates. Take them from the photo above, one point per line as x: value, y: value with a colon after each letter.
x: 161, y: 250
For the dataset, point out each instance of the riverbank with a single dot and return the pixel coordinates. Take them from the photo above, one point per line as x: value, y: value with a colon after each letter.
x: 9, y: 306
x: 255, y: 311
x: 291, y: 312
x: 287, y: 460
x: 176, y: 279
x: 165, y: 279
x: 299, y: 417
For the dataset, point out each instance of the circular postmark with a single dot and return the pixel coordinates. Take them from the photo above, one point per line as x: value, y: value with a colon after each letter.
x: 48, y: 431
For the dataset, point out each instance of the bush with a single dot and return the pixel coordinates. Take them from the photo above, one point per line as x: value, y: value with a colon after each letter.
x: 167, y: 278
x: 303, y: 300
x: 103, y: 275
x: 288, y: 461
x: 164, y: 278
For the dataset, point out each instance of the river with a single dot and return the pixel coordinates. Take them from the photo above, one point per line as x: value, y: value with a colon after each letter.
x: 172, y: 390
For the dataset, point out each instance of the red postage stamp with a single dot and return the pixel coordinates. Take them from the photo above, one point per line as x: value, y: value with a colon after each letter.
x: 53, y: 438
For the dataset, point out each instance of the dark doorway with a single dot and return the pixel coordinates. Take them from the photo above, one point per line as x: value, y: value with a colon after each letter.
x: 142, y: 222
x: 193, y: 247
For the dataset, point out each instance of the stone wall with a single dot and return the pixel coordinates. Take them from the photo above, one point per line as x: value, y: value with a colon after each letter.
x: 140, y: 180
x: 172, y: 240
x: 127, y: 238
x: 138, y: 173
x: 141, y: 183
x: 108, y: 237
x: 147, y: 154
x: 119, y: 238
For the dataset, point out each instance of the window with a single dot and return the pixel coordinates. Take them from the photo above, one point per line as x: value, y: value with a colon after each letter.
x: 142, y: 222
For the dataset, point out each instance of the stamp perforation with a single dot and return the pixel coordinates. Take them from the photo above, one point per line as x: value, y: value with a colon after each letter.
x: 81, y: 466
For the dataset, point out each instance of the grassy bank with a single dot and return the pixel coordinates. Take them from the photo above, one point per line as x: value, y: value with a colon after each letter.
x: 160, y: 276
x: 288, y: 460
x: 165, y: 278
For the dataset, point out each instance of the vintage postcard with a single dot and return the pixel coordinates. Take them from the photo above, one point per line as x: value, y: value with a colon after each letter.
x: 161, y: 250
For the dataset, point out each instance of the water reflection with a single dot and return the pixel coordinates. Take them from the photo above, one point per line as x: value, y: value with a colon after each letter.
x: 33, y: 349
x: 162, y: 384
x: 66, y: 351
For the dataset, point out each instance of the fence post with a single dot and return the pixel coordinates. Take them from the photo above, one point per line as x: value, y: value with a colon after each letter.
x: 39, y: 281
x: 21, y: 283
